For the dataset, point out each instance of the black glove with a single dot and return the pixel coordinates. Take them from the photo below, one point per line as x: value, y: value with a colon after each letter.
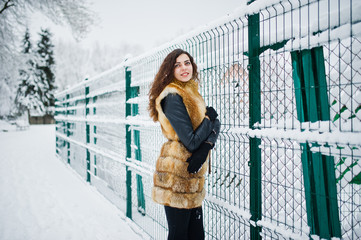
x: 198, y: 157
x: 211, y: 113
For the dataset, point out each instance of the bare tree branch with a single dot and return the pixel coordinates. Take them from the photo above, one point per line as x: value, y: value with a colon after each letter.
x: 7, y: 4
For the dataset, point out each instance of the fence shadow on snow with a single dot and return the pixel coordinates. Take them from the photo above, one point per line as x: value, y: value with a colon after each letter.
x: 285, y: 78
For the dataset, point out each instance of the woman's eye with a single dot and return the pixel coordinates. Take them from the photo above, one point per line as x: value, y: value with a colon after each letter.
x: 187, y: 63
x: 177, y: 65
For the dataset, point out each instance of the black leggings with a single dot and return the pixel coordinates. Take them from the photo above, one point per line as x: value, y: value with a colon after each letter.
x: 185, y: 224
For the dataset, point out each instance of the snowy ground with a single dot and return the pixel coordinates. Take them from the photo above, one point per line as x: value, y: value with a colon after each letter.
x: 42, y: 198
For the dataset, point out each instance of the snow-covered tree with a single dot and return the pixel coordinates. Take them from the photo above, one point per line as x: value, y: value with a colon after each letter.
x: 30, y: 92
x: 45, y: 68
x: 6, y: 99
x: 75, y: 62
x: 8, y: 87
x: 26, y: 42
x: 30, y: 89
x: 14, y: 15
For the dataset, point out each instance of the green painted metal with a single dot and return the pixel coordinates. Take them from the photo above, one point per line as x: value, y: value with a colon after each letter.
x: 138, y: 155
x: 68, y: 152
x: 128, y: 136
x: 68, y: 129
x: 94, y: 108
x: 95, y: 165
x: 88, y: 178
x: 274, y: 47
x: 331, y: 189
x: 95, y: 131
x: 306, y: 167
x: 323, y: 108
x: 254, y: 117
x: 310, y: 87
x: 297, y: 75
x: 87, y: 133
x: 95, y: 137
x: 318, y: 170
x: 132, y: 110
x: 87, y: 100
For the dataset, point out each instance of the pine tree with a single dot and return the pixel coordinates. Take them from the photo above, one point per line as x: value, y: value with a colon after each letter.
x: 26, y: 42
x: 46, y: 68
x: 30, y: 89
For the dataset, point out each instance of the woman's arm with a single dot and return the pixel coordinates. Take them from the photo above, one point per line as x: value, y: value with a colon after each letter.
x: 176, y: 112
x: 212, y: 138
x: 200, y: 155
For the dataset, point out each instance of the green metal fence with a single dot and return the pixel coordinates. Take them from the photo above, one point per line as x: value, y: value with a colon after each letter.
x: 285, y: 78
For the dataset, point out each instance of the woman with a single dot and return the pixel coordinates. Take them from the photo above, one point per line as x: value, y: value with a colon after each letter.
x: 192, y: 130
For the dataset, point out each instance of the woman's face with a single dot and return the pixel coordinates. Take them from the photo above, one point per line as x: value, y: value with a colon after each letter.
x: 183, y: 69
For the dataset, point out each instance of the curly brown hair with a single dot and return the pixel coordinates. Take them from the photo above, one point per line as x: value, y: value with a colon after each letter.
x: 165, y: 76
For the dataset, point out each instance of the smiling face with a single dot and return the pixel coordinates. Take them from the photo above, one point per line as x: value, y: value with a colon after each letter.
x: 183, y: 69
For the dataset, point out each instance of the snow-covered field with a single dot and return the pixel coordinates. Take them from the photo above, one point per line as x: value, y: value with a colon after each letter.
x: 42, y: 198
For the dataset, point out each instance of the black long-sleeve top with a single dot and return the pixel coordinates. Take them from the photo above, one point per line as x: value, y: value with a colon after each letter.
x: 176, y: 112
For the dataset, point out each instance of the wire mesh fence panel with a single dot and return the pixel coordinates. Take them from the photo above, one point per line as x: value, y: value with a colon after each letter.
x: 343, y: 72
x: 343, y: 66
x: 285, y: 79
x: 147, y: 214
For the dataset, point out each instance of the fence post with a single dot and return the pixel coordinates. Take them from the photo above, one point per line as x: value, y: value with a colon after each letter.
x: 87, y: 132
x: 138, y: 156
x: 254, y: 117
x: 318, y: 170
x: 95, y: 136
x: 132, y: 110
x: 67, y: 129
x: 128, y: 136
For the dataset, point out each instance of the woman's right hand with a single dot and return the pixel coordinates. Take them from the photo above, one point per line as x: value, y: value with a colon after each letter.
x: 211, y: 113
x: 199, y: 157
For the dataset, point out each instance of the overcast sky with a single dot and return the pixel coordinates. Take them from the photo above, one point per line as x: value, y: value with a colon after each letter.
x: 148, y: 23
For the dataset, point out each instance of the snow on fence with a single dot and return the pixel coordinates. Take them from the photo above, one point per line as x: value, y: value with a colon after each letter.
x: 285, y: 78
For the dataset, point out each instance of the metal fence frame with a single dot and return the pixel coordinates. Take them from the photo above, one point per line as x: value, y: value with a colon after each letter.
x: 285, y: 77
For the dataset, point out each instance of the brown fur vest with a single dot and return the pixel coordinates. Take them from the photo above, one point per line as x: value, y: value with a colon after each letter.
x: 173, y: 185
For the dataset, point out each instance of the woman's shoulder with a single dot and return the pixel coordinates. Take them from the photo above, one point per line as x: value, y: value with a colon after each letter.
x: 172, y: 89
x: 171, y: 100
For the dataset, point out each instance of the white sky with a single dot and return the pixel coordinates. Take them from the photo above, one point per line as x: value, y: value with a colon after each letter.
x: 143, y: 22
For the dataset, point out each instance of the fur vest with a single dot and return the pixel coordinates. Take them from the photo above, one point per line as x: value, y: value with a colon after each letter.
x: 173, y: 185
